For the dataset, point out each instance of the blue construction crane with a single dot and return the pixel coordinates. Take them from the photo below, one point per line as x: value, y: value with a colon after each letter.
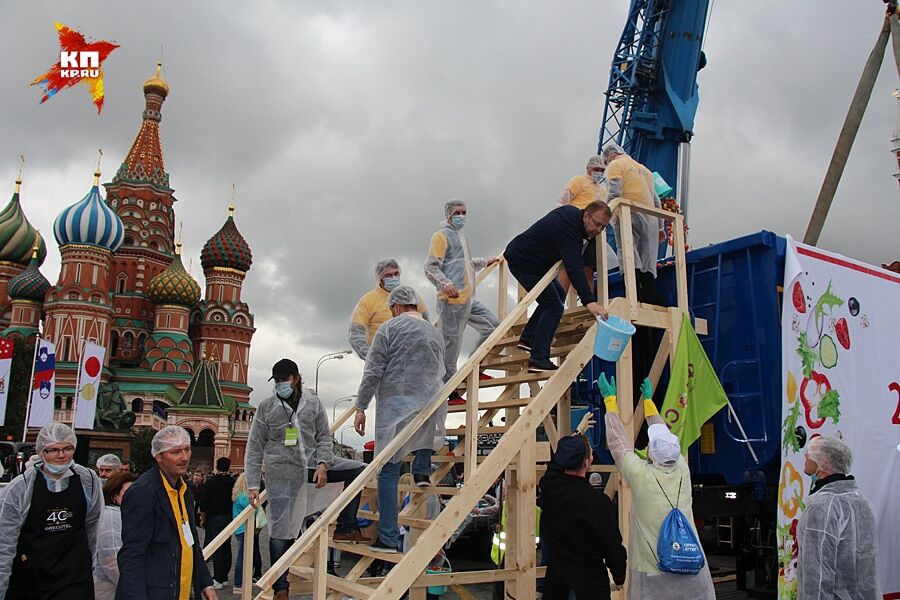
x: 652, y: 95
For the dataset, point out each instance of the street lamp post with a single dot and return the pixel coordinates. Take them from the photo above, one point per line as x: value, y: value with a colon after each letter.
x: 325, y: 358
x: 342, y: 433
x: 338, y: 401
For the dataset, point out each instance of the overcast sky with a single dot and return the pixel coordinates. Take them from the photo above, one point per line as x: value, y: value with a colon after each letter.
x: 346, y: 125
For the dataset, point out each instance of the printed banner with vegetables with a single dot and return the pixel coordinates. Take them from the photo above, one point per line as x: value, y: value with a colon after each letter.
x: 840, y: 374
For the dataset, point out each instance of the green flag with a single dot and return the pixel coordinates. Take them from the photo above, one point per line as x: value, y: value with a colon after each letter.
x: 694, y: 394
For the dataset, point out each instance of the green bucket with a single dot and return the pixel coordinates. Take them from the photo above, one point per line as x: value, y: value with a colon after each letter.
x: 439, y: 590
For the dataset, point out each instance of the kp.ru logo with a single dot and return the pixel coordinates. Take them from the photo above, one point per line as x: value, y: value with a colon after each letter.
x: 79, y: 64
x: 80, y: 61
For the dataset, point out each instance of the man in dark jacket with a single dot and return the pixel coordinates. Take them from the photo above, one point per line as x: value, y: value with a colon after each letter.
x: 215, y: 506
x: 560, y: 235
x: 578, y: 525
x: 161, y: 558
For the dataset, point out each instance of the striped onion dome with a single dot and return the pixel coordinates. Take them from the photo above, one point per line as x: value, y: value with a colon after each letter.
x: 17, y: 236
x: 30, y: 284
x: 90, y: 221
x: 174, y: 285
x: 227, y: 248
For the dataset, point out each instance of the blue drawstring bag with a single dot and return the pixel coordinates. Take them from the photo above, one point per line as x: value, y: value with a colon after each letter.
x: 677, y: 548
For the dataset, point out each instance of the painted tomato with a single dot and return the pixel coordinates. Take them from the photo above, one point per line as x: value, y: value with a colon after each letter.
x: 798, y: 298
x: 842, y: 332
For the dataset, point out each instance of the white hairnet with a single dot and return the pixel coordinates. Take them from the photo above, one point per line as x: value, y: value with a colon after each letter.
x: 596, y: 480
x: 403, y: 295
x: 168, y: 438
x: 31, y: 460
x: 831, y: 454
x: 663, y: 446
x: 384, y: 265
x: 594, y: 161
x: 54, y: 433
x: 448, y: 208
x: 610, y: 149
x: 109, y: 460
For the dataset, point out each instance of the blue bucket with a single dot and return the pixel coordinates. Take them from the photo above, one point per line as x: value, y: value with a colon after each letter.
x: 612, y: 337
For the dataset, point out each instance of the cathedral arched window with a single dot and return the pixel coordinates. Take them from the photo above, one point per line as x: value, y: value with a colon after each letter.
x: 128, y: 341
x: 137, y: 406
x: 121, y: 282
x: 114, y: 342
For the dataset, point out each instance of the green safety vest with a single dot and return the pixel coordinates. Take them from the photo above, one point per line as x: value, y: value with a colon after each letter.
x: 498, y: 543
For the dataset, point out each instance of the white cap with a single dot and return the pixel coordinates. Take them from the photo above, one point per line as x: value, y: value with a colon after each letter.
x: 664, y: 446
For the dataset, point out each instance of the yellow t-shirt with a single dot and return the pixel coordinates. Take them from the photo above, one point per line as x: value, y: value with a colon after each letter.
x: 176, y: 498
x: 372, y: 311
x: 581, y: 191
x: 637, y: 180
x: 438, y: 249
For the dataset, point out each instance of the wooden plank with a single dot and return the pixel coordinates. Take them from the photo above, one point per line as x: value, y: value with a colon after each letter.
x: 680, y: 264
x: 402, y: 519
x: 526, y: 559
x: 621, y: 203
x: 602, y: 271
x: 471, y: 440
x: 503, y: 290
x: 320, y: 583
x: 441, y: 490
x: 514, y: 360
x: 400, y: 577
x: 495, y: 405
x: 348, y: 588
x: 342, y: 419
x: 365, y: 550
x: 460, y: 577
x: 225, y: 536
x: 247, y: 567
x: 572, y: 328
x: 513, y: 379
x: 627, y: 257
x: 461, y: 432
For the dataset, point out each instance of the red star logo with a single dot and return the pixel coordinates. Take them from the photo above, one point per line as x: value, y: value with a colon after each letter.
x: 83, y: 61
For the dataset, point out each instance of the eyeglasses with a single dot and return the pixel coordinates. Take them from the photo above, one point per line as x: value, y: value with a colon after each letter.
x: 60, y: 451
x: 596, y: 224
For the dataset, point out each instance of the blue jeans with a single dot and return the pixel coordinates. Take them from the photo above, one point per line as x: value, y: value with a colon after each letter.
x: 277, y: 548
x: 388, y: 482
x: 344, y: 470
x: 542, y: 325
x: 239, y: 562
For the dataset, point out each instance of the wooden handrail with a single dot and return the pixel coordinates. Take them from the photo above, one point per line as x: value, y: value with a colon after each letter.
x: 245, y: 515
x: 311, y: 535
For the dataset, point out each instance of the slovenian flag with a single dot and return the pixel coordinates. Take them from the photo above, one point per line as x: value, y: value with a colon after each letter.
x: 44, y: 385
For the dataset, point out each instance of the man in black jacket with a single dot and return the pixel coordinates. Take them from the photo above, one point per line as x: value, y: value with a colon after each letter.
x: 560, y: 235
x: 215, y: 506
x: 161, y: 558
x: 578, y: 525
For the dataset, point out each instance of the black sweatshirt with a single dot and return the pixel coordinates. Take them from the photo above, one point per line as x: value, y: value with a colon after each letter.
x: 215, y: 495
x: 580, y: 527
x: 558, y: 235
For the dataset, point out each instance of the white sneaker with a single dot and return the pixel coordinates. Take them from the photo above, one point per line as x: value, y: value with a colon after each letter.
x: 217, y: 585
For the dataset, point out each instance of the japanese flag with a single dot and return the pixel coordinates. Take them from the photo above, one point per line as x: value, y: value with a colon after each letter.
x: 6, y: 352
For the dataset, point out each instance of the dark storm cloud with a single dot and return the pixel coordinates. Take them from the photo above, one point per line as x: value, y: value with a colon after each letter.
x: 345, y: 126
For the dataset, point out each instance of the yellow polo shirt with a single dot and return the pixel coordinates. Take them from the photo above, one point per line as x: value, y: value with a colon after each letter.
x: 637, y: 180
x: 372, y: 310
x: 176, y: 498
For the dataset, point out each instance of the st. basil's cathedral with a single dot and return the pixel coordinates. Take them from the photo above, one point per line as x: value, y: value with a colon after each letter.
x: 174, y: 356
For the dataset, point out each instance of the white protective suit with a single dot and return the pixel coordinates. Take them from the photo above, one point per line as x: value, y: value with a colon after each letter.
x: 286, y: 466
x: 17, y: 502
x: 836, y: 535
x: 644, y: 231
x: 648, y: 511
x: 109, y: 542
x: 449, y: 261
x: 404, y: 370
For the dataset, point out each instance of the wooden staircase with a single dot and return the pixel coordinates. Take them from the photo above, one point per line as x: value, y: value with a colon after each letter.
x: 526, y: 401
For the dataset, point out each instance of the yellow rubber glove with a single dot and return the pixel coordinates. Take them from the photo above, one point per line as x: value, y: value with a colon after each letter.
x: 611, y: 403
x: 649, y: 408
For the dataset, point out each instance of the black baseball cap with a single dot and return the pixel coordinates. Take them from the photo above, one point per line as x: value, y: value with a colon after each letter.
x: 284, y: 368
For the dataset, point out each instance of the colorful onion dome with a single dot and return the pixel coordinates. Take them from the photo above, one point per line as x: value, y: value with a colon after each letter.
x: 174, y: 285
x: 17, y: 236
x: 90, y: 221
x: 156, y: 84
x: 30, y: 284
x: 227, y: 249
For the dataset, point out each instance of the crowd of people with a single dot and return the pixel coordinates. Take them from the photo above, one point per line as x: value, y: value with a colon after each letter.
x: 67, y: 531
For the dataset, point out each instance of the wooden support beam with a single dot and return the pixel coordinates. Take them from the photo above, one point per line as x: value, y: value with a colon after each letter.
x: 403, y: 520
x: 523, y: 504
x: 320, y: 583
x: 495, y: 405
x: 471, y: 440
x: 627, y: 259
x: 364, y: 550
x: 503, y: 292
x: 348, y: 588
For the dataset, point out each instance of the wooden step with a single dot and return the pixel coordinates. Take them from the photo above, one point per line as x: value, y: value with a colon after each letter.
x: 349, y: 588
x: 461, y: 431
x: 440, y: 490
x: 514, y: 360
x: 496, y: 404
x: 515, y: 379
x: 563, y: 329
x: 364, y: 550
x: 403, y: 520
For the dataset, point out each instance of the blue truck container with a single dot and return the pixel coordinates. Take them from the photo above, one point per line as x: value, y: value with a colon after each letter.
x: 737, y: 287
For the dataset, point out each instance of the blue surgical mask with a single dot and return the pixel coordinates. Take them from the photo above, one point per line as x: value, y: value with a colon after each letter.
x: 58, y: 469
x: 391, y: 283
x: 284, y: 390
x: 458, y: 221
x: 596, y: 176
